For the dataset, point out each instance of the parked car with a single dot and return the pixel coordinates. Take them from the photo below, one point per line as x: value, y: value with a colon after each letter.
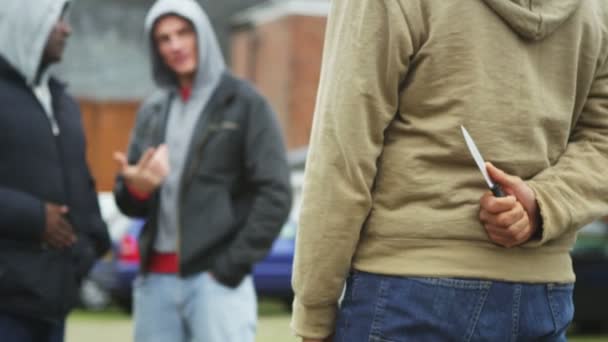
x: 126, y: 265
x: 272, y: 275
x: 112, y: 276
x: 590, y: 261
x: 95, y: 289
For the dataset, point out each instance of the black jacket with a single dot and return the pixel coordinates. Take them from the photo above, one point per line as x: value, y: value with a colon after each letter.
x: 37, y: 167
x: 235, y: 188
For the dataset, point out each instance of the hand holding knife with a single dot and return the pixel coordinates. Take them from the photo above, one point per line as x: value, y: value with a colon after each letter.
x: 496, y: 189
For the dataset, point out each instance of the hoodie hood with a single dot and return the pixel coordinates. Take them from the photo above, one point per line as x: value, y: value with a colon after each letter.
x: 210, y: 60
x: 25, y: 26
x: 532, y: 19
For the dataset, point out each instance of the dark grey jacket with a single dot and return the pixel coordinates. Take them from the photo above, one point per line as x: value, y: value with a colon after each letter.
x: 235, y: 189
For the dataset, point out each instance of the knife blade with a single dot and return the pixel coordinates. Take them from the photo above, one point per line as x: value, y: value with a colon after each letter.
x: 496, y: 189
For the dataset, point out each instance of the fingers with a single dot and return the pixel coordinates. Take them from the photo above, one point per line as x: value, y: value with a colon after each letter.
x: 145, y: 158
x: 61, y: 242
x: 496, y: 205
x: 65, y: 231
x: 504, y: 179
x: 501, y: 212
x: 60, y: 238
x: 121, y: 159
x: 515, y: 231
x: 159, y: 165
x: 162, y: 147
x: 58, y: 231
x: 512, y: 235
x: 505, y: 220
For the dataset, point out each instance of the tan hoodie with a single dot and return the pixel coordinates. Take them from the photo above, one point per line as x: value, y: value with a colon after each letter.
x: 390, y: 186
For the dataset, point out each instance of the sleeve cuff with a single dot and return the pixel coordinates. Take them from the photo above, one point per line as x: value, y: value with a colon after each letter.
x: 547, y: 229
x: 313, y: 322
x: 140, y: 196
x: 227, y: 274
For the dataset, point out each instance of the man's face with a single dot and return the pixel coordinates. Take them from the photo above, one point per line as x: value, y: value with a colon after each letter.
x: 175, y: 40
x: 55, y: 45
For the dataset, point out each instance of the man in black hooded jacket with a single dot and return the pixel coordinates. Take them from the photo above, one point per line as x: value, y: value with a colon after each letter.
x: 51, y: 230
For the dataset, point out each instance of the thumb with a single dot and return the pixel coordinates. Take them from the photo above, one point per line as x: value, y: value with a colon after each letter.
x: 121, y: 159
x: 504, y: 179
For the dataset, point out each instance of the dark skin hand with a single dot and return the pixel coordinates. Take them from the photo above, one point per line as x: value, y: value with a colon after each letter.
x: 58, y: 232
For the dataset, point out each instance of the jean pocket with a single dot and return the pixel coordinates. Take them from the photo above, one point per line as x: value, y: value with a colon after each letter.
x: 561, y: 304
x: 428, y: 309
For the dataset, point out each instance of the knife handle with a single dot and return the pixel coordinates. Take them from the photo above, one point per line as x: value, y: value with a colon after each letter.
x: 497, y: 191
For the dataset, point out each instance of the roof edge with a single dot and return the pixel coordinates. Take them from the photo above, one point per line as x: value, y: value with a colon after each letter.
x: 276, y: 9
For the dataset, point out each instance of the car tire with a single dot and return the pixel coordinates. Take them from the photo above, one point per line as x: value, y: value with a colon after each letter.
x: 125, y: 304
x: 591, y: 326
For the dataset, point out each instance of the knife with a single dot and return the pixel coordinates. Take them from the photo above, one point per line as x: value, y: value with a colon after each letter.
x: 496, y: 189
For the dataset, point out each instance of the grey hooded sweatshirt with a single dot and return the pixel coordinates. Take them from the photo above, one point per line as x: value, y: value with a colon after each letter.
x: 25, y: 53
x: 182, y: 116
x: 21, y: 42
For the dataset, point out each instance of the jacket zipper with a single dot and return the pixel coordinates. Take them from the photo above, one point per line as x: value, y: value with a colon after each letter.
x: 188, y: 175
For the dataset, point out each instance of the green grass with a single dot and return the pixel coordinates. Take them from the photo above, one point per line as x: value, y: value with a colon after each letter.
x: 110, y: 314
x: 273, y: 324
x: 271, y: 308
x: 266, y: 308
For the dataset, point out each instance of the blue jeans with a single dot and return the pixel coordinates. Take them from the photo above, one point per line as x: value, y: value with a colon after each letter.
x: 193, y: 309
x: 380, y: 308
x: 20, y: 329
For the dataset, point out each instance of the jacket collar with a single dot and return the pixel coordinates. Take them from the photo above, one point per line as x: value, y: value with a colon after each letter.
x: 224, y: 93
x: 8, y: 72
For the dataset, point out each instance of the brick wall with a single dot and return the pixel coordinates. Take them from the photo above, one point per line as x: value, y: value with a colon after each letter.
x: 283, y: 59
x: 107, y: 127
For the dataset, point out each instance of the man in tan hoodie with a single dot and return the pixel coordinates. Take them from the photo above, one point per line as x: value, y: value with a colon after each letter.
x: 394, y: 205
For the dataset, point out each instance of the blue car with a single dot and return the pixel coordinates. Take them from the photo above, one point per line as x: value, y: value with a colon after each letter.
x: 126, y: 265
x: 272, y: 276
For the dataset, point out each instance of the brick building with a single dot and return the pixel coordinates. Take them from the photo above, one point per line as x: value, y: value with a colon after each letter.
x: 278, y: 47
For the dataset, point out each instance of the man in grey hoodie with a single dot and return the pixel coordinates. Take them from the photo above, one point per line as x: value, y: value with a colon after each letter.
x: 207, y: 168
x: 51, y: 229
